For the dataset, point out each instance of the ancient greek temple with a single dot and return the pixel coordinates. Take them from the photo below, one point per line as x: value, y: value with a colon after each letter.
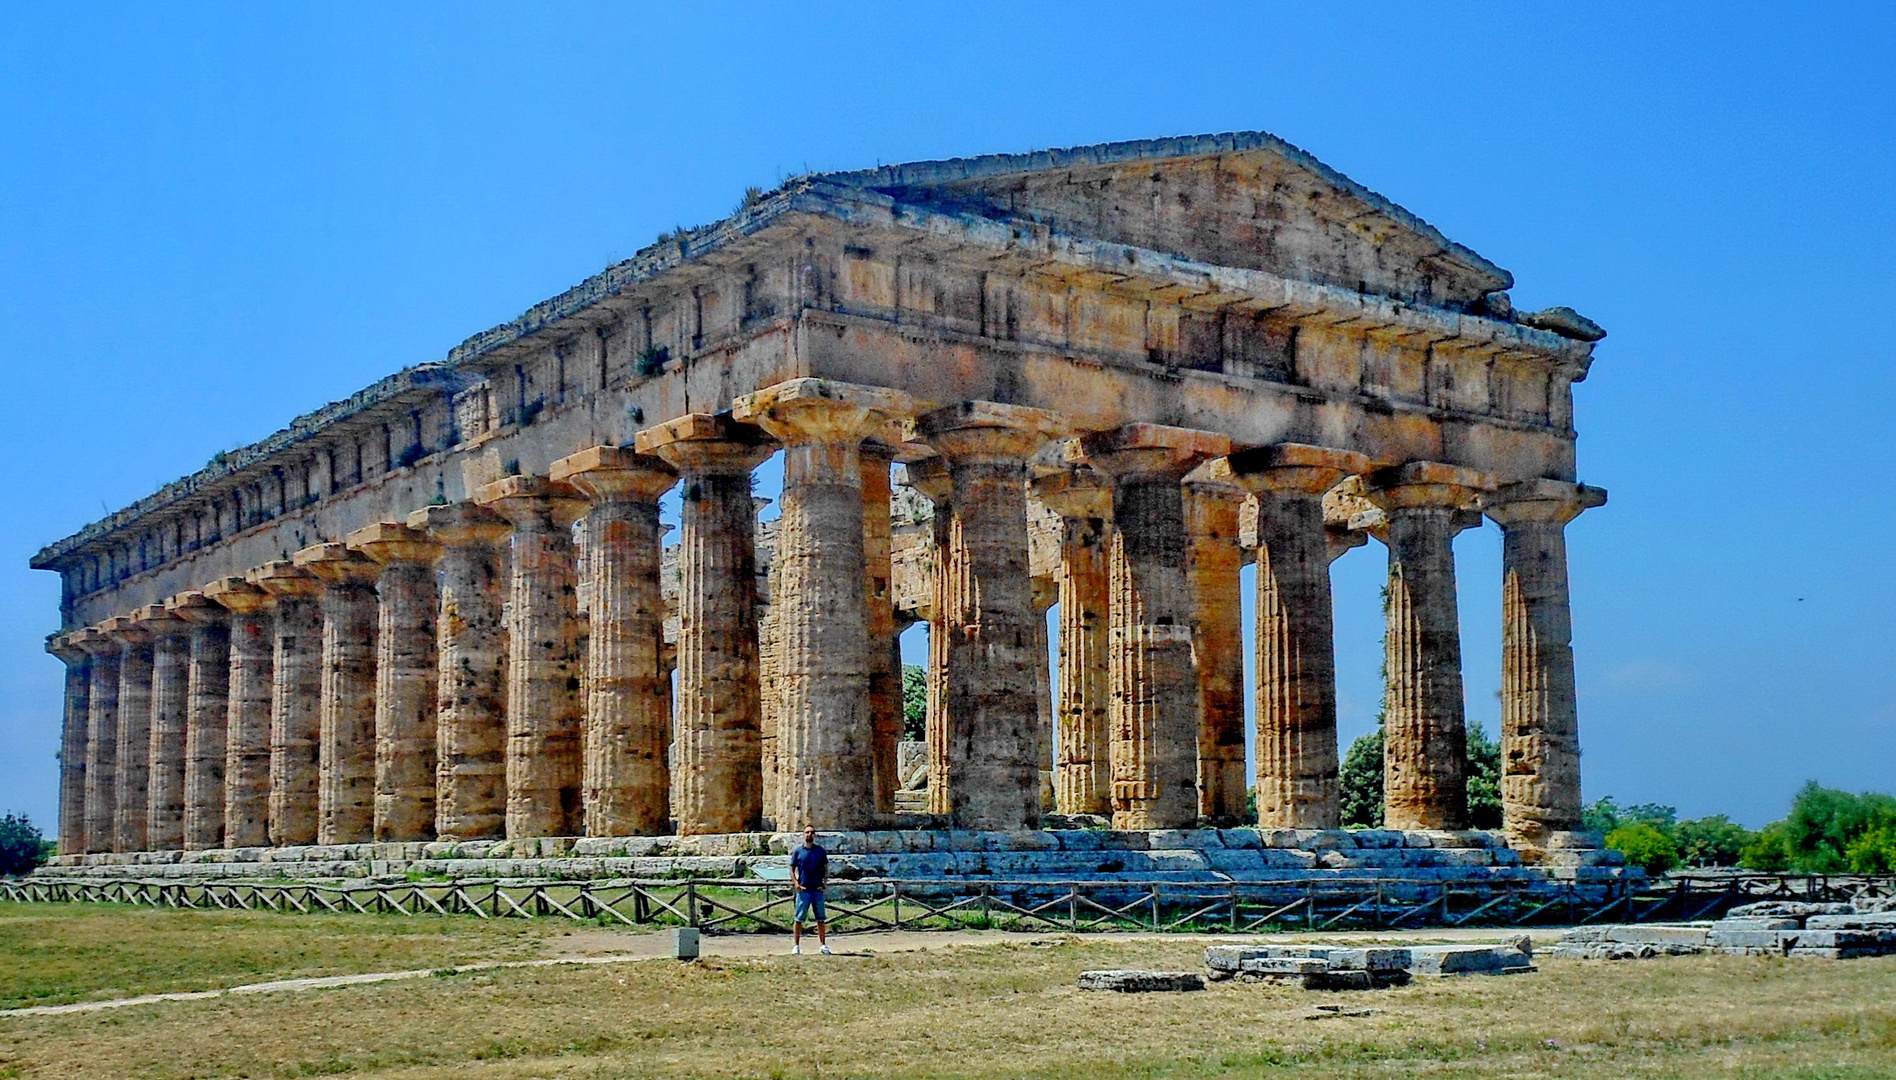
x: 1104, y: 378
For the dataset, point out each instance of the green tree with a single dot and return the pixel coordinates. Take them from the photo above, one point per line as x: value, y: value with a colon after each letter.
x: 1484, y: 779
x: 1710, y: 841
x: 1823, y: 823
x: 1605, y: 815
x: 914, y: 702
x: 1644, y: 845
x: 1362, y: 781
x: 22, y: 848
x: 1769, y: 850
x: 1873, y: 852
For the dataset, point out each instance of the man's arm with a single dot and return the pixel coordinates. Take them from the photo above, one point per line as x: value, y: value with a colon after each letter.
x: 796, y: 876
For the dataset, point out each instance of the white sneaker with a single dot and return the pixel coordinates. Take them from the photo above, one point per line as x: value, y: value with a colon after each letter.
x: 796, y: 950
x: 826, y: 950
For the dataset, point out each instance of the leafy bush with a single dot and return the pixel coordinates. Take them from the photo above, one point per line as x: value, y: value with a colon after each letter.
x: 22, y: 848
x: 1644, y: 845
x: 1710, y: 841
x: 1484, y: 779
x: 1873, y: 852
x: 1768, y: 850
x: 914, y: 702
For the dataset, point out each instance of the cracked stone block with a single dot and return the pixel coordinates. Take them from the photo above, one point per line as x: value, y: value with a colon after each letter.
x: 1141, y: 982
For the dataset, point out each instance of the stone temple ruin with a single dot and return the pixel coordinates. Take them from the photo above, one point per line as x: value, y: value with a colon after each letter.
x: 439, y: 613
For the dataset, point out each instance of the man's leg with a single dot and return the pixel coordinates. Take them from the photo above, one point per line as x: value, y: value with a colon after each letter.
x: 822, y: 921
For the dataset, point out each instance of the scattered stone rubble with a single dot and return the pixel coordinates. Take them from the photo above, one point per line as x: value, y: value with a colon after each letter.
x: 1829, y: 931
x: 1141, y: 982
x: 1337, y: 967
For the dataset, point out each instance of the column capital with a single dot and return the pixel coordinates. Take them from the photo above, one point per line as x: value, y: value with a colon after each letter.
x: 1074, y: 492
x: 1147, y: 451
x: 94, y: 642
x: 389, y: 544
x: 821, y: 410
x: 614, y: 474
x: 127, y: 633
x: 929, y: 477
x: 1294, y: 468
x: 155, y: 620
x: 460, y: 524
x: 194, y: 608
x: 707, y: 443
x: 335, y: 564
x: 977, y: 432
x: 238, y: 595
x: 1550, y: 502
x: 1426, y: 484
x: 62, y: 646
x: 281, y: 578
x: 533, y: 500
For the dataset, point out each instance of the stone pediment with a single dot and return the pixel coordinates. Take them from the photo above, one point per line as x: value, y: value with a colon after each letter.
x: 1246, y: 199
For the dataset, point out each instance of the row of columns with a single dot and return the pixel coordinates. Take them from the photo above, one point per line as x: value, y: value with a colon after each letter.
x: 370, y: 689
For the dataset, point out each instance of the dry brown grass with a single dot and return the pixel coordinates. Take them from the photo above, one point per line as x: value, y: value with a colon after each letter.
x: 1001, y: 1010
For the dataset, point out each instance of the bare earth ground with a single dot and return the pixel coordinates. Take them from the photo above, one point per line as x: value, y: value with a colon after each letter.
x: 887, y: 1006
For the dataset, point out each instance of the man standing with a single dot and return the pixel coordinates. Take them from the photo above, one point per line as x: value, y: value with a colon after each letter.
x: 809, y: 871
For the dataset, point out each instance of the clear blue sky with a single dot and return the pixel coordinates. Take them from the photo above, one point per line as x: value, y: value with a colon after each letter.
x: 214, y: 218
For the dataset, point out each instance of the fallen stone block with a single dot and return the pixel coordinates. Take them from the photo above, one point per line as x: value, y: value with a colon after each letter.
x: 1466, y: 960
x: 1777, y: 909
x: 1751, y: 939
x: 1761, y: 923
x: 1876, y: 920
x: 1141, y: 982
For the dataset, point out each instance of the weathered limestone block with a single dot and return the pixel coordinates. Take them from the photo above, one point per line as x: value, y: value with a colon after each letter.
x: 295, y: 699
x: 207, y: 718
x: 544, y: 726
x: 251, y: 701
x: 1540, y: 737
x: 825, y: 746
x: 170, y: 720
x: 134, y: 733
x: 1154, y: 703
x: 1425, y: 755
x: 717, y: 759
x: 1297, y: 761
x: 1141, y: 982
x: 1213, y: 562
x: 471, y: 671
x: 101, y: 792
x: 1083, y: 773
x: 72, y: 744
x: 627, y: 780
x: 992, y: 691
x: 345, y: 802
x: 406, y: 681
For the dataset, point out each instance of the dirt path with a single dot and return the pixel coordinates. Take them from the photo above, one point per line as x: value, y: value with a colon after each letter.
x: 623, y: 947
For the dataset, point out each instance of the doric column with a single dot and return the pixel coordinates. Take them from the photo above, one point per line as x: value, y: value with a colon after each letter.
x: 405, y: 679
x: 170, y: 721
x: 72, y: 744
x: 1213, y: 562
x: 1540, y: 735
x: 930, y: 479
x: 1425, y: 740
x: 544, y: 753
x: 1297, y: 780
x: 716, y: 753
x: 207, y: 718
x: 1083, y: 779
x: 885, y: 660
x: 626, y: 773
x: 252, y: 694
x: 296, y: 700
x: 1155, y: 698
x: 993, y: 703
x: 1046, y: 591
x: 133, y: 757
x: 345, y: 785
x: 101, y: 801
x: 471, y: 671
x: 826, y: 745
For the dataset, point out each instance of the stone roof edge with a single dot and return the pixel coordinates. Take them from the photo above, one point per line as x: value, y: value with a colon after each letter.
x: 948, y: 170
x: 431, y: 378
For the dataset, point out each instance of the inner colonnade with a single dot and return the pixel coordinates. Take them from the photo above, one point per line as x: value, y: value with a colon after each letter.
x: 499, y: 666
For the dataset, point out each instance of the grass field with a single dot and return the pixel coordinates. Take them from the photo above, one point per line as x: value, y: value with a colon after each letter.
x: 962, y: 1011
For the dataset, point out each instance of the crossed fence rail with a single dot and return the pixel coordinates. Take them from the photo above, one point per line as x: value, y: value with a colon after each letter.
x: 1073, y: 906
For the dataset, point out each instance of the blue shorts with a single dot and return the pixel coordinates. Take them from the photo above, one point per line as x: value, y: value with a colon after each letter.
x: 809, y: 900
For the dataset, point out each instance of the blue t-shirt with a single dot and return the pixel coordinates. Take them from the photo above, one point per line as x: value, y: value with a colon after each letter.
x: 810, y: 867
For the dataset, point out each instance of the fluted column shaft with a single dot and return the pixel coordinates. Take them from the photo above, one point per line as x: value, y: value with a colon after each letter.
x: 252, y: 694
x: 717, y: 756
x: 170, y: 724
x: 471, y: 672
x: 1540, y: 737
x: 885, y: 662
x: 544, y: 713
x: 295, y: 701
x: 345, y: 793
x: 1213, y: 563
x: 101, y: 799
x: 207, y: 719
x: 1083, y: 780
x: 931, y: 480
x: 826, y: 742
x: 72, y: 745
x: 1154, y: 680
x: 134, y: 736
x: 627, y: 773
x: 1425, y: 740
x: 405, y: 680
